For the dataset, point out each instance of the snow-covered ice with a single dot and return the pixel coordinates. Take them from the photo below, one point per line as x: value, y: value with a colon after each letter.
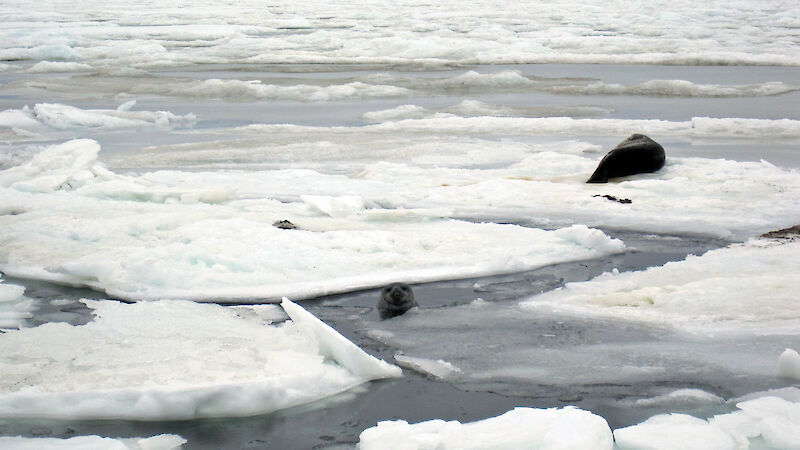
x: 204, y: 235
x: 14, y: 306
x: 160, y: 442
x: 553, y: 429
x: 673, y: 431
x: 170, y: 360
x: 44, y: 116
x: 765, y: 421
x: 738, y: 289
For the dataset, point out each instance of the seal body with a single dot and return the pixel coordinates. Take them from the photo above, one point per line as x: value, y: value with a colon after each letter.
x: 396, y: 299
x: 637, y: 154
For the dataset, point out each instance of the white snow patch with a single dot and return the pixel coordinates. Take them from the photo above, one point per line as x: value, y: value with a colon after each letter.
x: 170, y: 360
x: 160, y: 442
x: 334, y: 206
x: 566, y: 428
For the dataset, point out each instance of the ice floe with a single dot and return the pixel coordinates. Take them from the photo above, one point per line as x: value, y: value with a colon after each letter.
x: 160, y: 442
x: 673, y: 431
x: 210, y: 235
x: 168, y: 360
x: 297, y: 88
x: 680, y: 397
x: 789, y: 364
x: 436, y: 369
x: 765, y: 421
x: 566, y: 428
x: 160, y: 34
x: 53, y: 116
x: 14, y: 306
x: 739, y: 288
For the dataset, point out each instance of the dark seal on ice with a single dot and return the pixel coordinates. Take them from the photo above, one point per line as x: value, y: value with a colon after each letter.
x: 396, y: 299
x: 637, y: 154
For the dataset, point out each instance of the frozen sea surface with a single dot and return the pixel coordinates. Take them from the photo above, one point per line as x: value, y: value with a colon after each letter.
x: 145, y: 155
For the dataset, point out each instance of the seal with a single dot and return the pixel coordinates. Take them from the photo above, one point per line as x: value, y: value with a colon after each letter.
x: 637, y: 154
x: 396, y: 299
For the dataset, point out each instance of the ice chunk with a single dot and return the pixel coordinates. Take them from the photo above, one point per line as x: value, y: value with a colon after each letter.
x: 160, y: 442
x: 722, y: 290
x: 14, y: 306
x: 54, y: 167
x: 435, y: 369
x: 169, y: 360
x: 64, y: 117
x: 55, y: 116
x: 778, y: 420
x: 551, y: 429
x: 789, y: 364
x: 673, y: 431
x: 398, y: 113
x: 58, y: 66
x: 681, y: 397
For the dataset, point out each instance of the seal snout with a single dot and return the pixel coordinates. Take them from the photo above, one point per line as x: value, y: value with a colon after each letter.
x: 398, y: 293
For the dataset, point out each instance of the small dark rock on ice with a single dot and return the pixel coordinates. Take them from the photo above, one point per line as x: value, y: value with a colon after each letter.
x: 284, y: 225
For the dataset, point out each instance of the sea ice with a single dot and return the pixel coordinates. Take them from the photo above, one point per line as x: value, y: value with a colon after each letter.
x: 14, y: 306
x: 551, y: 429
x: 160, y: 442
x: 170, y: 360
x: 210, y: 236
x: 163, y: 34
x: 736, y: 289
x: 673, y: 431
x: 64, y: 117
x: 773, y: 419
